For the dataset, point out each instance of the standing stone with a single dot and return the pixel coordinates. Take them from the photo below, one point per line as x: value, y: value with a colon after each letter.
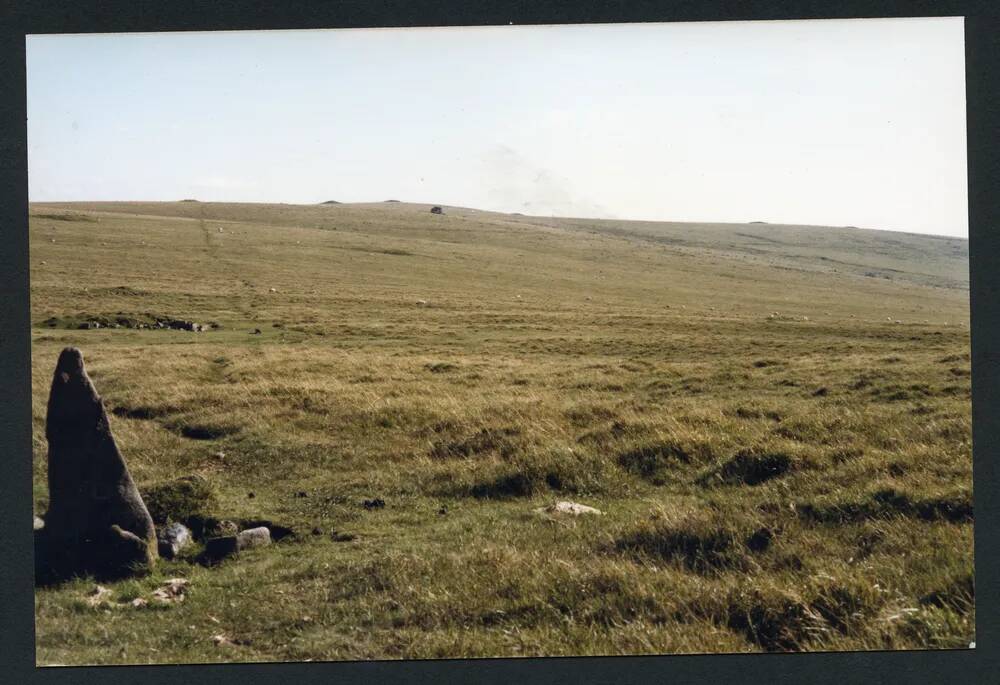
x: 97, y: 522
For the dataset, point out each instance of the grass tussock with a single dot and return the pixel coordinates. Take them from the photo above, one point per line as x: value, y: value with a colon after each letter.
x: 185, y: 500
x: 703, y: 544
x: 655, y: 462
x: 749, y: 467
x: 887, y: 503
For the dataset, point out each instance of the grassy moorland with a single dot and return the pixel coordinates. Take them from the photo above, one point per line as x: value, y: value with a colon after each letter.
x: 775, y: 421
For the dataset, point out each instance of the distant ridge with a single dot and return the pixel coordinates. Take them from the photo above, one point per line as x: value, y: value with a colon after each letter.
x: 330, y: 202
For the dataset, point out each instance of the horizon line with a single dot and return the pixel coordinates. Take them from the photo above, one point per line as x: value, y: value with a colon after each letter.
x: 496, y: 211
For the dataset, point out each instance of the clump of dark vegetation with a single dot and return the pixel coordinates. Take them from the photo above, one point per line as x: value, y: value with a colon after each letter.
x: 588, y: 415
x: 189, y: 500
x: 617, y: 430
x: 198, y: 431
x: 708, y: 544
x: 757, y: 413
x: 779, y: 621
x: 510, y: 485
x: 65, y: 217
x: 531, y: 474
x: 653, y: 462
x: 958, y: 594
x: 141, y: 412
x: 773, y: 624
x: 749, y: 467
x: 499, y: 441
x: 889, y: 503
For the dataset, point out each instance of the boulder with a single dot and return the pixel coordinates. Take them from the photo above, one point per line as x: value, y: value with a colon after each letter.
x: 253, y: 537
x: 172, y: 539
x: 97, y: 522
x: 217, y: 549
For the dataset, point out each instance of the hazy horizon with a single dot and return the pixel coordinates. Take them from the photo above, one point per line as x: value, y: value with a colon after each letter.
x: 828, y: 123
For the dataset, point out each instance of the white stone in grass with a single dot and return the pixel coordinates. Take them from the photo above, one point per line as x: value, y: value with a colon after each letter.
x: 566, y: 507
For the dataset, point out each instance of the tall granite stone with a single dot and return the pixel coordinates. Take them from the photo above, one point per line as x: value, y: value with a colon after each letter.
x: 97, y: 522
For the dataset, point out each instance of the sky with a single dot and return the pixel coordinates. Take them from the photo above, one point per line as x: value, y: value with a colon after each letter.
x: 855, y: 122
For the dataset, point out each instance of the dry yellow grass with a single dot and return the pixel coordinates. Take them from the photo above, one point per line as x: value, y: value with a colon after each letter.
x: 481, y: 365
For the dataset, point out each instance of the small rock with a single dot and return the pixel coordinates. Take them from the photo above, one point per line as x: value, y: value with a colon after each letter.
x: 301, y: 493
x: 566, y: 507
x: 341, y: 537
x: 173, y: 539
x: 140, y: 602
x: 217, y: 549
x: 250, y: 495
x: 255, y: 331
x: 442, y: 511
x: 273, y: 290
x: 253, y: 537
x: 317, y: 531
x: 377, y: 503
x: 39, y: 523
x: 221, y: 640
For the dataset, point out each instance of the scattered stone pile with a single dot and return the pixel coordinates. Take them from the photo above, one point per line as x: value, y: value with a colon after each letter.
x: 121, y: 320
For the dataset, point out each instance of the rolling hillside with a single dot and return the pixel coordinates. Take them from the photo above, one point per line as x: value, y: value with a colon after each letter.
x: 774, y: 420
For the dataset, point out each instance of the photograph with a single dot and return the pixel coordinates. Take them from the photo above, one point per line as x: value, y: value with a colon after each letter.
x: 464, y: 342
